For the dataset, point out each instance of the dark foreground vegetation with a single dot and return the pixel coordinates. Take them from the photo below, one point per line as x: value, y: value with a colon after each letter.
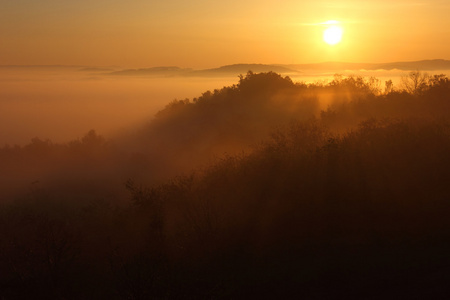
x: 348, y: 201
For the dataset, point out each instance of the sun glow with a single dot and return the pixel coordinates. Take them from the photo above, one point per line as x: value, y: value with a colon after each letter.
x: 333, y: 34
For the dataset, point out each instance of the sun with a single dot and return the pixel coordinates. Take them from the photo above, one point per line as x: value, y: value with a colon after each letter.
x: 332, y: 35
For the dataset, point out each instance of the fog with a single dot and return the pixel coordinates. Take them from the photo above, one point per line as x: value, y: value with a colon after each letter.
x: 61, y: 104
x: 266, y: 182
x: 64, y: 103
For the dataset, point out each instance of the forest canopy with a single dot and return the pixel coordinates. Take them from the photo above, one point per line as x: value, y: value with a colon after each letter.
x: 266, y: 188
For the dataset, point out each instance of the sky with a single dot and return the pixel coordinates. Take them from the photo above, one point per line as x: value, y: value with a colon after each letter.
x: 206, y: 33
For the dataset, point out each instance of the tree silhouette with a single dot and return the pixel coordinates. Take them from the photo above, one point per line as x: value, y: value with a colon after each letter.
x: 415, y: 82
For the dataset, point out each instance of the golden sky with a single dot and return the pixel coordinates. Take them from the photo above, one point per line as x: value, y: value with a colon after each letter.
x: 205, y: 33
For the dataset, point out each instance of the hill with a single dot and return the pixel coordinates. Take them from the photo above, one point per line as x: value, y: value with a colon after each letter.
x: 224, y: 71
x: 250, y: 191
x: 237, y: 69
x: 155, y: 71
x: 423, y: 65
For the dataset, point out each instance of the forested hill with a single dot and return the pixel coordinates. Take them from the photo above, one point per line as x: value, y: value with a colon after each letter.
x: 264, y: 189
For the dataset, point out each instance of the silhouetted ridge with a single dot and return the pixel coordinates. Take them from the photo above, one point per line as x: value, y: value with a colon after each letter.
x: 424, y: 65
x: 96, y: 69
x: 155, y: 71
x: 237, y: 69
x: 230, y: 70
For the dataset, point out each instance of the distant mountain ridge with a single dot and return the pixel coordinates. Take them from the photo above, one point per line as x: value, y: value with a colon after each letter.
x: 227, y: 70
x: 242, y: 68
x: 153, y: 71
x: 423, y: 65
x: 291, y: 69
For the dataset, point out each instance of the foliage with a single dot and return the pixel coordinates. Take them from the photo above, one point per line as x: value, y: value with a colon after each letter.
x: 347, y: 201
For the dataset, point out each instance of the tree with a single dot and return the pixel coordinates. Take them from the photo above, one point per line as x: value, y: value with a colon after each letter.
x: 415, y: 82
x: 389, y: 86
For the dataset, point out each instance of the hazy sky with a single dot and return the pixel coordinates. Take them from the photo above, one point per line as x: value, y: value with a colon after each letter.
x: 205, y: 33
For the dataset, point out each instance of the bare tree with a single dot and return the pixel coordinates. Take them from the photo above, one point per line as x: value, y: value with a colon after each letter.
x: 415, y: 82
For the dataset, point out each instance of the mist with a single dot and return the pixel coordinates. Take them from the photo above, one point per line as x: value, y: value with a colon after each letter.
x: 64, y: 103
x: 59, y: 125
x: 248, y: 188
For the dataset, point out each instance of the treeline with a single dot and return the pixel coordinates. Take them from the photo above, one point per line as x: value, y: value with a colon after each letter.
x: 189, y: 134
x: 349, y: 201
